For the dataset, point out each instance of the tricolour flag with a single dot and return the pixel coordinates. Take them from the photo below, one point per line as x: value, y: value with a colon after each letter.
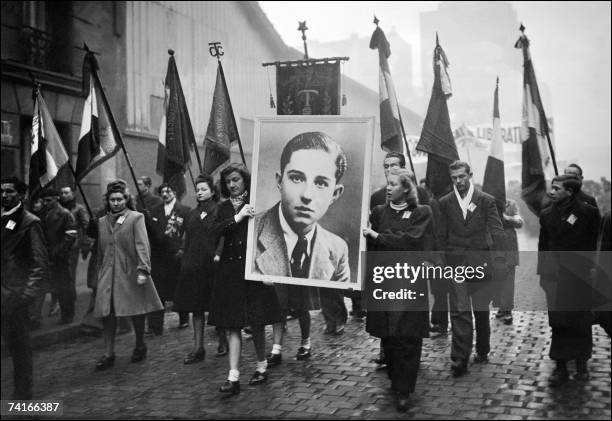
x: 537, y: 155
x: 98, y: 140
x: 494, y: 177
x: 390, y: 129
x: 176, y: 133
x: 48, y: 153
x: 437, y: 137
x: 221, y: 131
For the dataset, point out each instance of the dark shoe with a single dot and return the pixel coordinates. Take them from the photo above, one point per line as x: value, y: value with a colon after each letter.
x: 403, y: 402
x: 105, y: 362
x: 500, y: 314
x: 258, y: 378
x: 481, y: 358
x: 221, y: 350
x: 139, y: 354
x: 274, y: 360
x: 329, y: 330
x: 302, y: 354
x: 458, y: 369
x: 508, y: 319
x: 194, y: 357
x: 582, y: 371
x: 230, y: 388
x: 339, y: 331
x: 183, y: 325
x: 381, y: 360
x: 559, y: 377
x: 438, y: 329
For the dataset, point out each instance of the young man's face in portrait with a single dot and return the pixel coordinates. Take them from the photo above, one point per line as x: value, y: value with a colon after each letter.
x: 308, y: 187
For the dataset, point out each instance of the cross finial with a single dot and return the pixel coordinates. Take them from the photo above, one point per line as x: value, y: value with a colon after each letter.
x: 303, y: 28
x: 522, y: 28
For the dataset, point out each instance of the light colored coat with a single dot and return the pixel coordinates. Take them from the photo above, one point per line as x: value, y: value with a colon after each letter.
x: 123, y: 251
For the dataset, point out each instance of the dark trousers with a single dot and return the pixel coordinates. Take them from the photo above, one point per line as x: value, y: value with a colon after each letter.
x: 403, y: 358
x: 572, y: 335
x: 465, y: 299
x: 439, y: 311
x: 64, y: 286
x: 356, y: 302
x: 504, y: 298
x: 16, y: 333
x: 332, y: 307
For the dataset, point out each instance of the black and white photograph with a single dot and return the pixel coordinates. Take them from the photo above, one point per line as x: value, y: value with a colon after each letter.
x: 306, y: 210
x: 317, y: 167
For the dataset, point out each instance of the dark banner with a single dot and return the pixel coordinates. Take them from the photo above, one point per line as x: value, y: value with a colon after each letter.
x: 308, y: 89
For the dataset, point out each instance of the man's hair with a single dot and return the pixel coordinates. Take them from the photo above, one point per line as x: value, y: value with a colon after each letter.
x: 577, y: 167
x: 167, y: 186
x: 50, y: 192
x: 457, y: 165
x: 569, y: 182
x: 398, y: 155
x: 146, y: 180
x: 67, y: 186
x: 240, y: 169
x: 210, y: 181
x: 405, y: 179
x: 315, y: 141
x: 20, y: 186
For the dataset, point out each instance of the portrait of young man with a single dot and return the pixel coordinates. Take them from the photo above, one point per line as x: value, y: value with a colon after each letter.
x: 292, y: 236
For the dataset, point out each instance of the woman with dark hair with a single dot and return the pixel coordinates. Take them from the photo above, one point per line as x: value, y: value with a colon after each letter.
x: 200, y: 246
x: 124, y: 285
x: 236, y: 302
x: 401, y: 225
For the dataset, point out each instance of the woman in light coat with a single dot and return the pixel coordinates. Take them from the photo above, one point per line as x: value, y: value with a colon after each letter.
x: 124, y: 283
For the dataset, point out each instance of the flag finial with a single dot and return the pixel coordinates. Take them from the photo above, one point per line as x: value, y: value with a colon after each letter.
x: 215, y: 49
x: 522, y: 28
x: 303, y: 28
x: 376, y: 20
x: 437, y: 39
x: 497, y: 81
x: 171, y: 52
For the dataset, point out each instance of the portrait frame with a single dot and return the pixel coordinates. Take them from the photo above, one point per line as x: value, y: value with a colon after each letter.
x: 344, y: 218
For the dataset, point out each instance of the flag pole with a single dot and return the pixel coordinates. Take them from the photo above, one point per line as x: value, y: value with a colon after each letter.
x: 94, y: 72
x: 406, y: 142
x: 37, y: 86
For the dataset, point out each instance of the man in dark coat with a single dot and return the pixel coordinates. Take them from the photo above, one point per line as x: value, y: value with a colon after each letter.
x: 568, y: 225
x: 60, y: 232
x: 24, y: 267
x: 150, y: 200
x: 166, y: 226
x: 469, y: 226
x: 576, y: 171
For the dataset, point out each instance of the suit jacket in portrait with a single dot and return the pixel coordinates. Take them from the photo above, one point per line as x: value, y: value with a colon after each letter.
x: 329, y: 260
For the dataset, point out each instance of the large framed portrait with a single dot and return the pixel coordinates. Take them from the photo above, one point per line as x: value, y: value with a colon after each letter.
x: 310, y: 189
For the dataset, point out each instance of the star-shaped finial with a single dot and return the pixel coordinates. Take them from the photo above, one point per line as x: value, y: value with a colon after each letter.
x: 376, y: 20
x: 522, y: 28
x: 302, y: 26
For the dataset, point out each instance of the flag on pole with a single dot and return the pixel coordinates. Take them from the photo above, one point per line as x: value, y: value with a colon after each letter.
x: 538, y: 156
x: 98, y: 140
x: 390, y: 129
x: 221, y: 131
x: 437, y: 137
x: 176, y: 133
x: 48, y: 153
x: 494, y: 178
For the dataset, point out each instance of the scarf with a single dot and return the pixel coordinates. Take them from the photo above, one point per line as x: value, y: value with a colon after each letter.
x: 238, y: 201
x: 398, y: 208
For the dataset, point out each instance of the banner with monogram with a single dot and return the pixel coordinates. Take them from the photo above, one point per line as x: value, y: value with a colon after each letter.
x: 308, y: 88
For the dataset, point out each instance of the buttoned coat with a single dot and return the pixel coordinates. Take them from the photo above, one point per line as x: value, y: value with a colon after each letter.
x: 123, y: 251
x: 329, y: 260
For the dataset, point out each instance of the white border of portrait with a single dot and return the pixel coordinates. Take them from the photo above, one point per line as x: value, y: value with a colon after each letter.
x: 329, y: 125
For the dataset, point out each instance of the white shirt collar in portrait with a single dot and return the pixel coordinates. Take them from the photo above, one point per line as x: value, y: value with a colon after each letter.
x: 464, y: 203
x: 168, y: 207
x: 291, y: 237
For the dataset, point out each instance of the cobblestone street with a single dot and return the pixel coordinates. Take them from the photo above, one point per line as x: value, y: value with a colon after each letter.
x: 339, y: 381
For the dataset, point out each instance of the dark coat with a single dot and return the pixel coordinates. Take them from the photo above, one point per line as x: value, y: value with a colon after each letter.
x: 166, y: 236
x: 194, y: 288
x: 236, y: 302
x: 81, y: 218
x: 481, y: 230
x: 24, y: 259
x: 151, y: 201
x: 123, y: 252
x: 397, y: 234
x: 61, y: 233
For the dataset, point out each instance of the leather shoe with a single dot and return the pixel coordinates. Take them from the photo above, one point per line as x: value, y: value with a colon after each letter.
x: 438, y: 329
x: 303, y: 353
x: 508, y: 319
x: 258, y: 378
x: 274, y: 359
x: 221, y: 350
x: 582, y: 376
x: 194, y: 357
x: 458, y: 369
x: 183, y: 325
x: 139, y: 354
x: 481, y: 358
x: 230, y: 388
x: 105, y: 362
x: 339, y: 330
x: 329, y: 330
x: 559, y: 376
x: 403, y: 402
